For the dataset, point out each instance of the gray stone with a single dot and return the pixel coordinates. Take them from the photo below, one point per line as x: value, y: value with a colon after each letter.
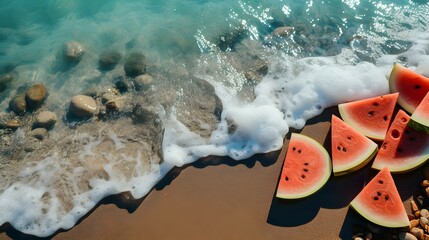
x: 39, y: 133
x: 83, y: 106
x: 18, y: 104
x: 135, y: 65
x: 73, y: 51
x: 46, y: 119
x: 35, y: 96
x: 108, y: 60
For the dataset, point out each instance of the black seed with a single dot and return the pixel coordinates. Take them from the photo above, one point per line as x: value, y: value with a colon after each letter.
x: 371, y: 113
x: 375, y: 198
x: 379, y: 193
x: 375, y: 104
x: 302, y: 176
x: 380, y: 181
x: 386, y: 198
x: 385, y: 118
x: 306, y: 164
x: 287, y: 178
x: 305, y: 169
x: 417, y: 86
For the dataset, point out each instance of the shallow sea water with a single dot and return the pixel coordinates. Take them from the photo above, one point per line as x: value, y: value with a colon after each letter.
x: 222, y: 83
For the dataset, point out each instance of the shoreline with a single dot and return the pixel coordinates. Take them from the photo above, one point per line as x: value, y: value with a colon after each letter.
x: 219, y: 198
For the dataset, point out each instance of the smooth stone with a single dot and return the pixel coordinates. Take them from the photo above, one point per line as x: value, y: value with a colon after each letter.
x: 142, y: 82
x: 35, y: 95
x: 83, y: 106
x: 46, y: 119
x: 414, y: 223
x: 282, y: 31
x: 417, y: 232
x: 135, y: 65
x: 423, y: 221
x: 115, y: 105
x: 39, y: 133
x: 108, y: 96
x: 406, y: 236
x: 425, y: 183
x: 73, y: 51
x: 108, y: 60
x: 18, y: 104
x: 424, y: 213
x: 13, y: 124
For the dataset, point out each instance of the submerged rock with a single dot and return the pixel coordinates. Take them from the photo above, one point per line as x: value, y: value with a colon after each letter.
x: 39, y: 133
x: 5, y: 80
x: 282, y: 31
x: 124, y: 85
x: 13, y: 124
x: 142, y: 114
x: 18, y: 104
x: 83, y: 106
x: 46, y: 119
x: 135, y: 65
x: 108, y: 60
x: 35, y: 96
x: 73, y: 51
x: 142, y: 82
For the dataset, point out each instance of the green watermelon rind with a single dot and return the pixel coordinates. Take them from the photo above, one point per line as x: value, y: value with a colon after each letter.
x: 323, y: 180
x: 392, y: 80
x: 357, y: 164
x: 346, y: 117
x: 419, y: 124
x: 378, y: 219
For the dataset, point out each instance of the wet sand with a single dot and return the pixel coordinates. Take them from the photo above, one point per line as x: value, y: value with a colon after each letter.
x: 218, y: 198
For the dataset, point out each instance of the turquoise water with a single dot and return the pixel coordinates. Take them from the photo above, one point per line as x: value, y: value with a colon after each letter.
x: 223, y: 83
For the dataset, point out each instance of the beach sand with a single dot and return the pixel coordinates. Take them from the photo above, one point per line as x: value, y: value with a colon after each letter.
x: 218, y: 198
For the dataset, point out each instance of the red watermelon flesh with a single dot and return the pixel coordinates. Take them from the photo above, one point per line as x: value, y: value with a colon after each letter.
x: 351, y: 150
x: 306, y: 168
x: 370, y: 116
x: 412, y: 87
x: 380, y: 203
x: 404, y: 148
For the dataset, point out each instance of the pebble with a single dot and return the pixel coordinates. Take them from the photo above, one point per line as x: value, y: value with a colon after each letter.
x: 115, y: 105
x: 414, y: 207
x: 424, y: 213
x: 83, y: 106
x: 142, y: 82
x: 108, y: 96
x: 46, y: 119
x: 406, y: 236
x: 39, y: 133
x: 282, y: 31
x: 73, y: 51
x: 108, y: 60
x: 13, y: 124
x: 18, y: 104
x: 423, y: 222
x: 35, y: 95
x: 414, y: 223
x: 417, y: 232
x: 135, y: 65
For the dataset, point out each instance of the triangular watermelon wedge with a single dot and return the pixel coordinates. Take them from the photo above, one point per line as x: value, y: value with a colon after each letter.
x: 351, y: 150
x: 404, y: 148
x: 412, y: 87
x: 370, y: 116
x: 420, y: 118
x: 306, y: 168
x: 380, y: 203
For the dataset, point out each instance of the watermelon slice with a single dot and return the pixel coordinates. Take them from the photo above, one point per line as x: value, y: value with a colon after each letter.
x: 370, y: 116
x: 404, y: 148
x: 351, y: 150
x: 420, y: 117
x: 412, y: 87
x: 380, y: 203
x: 306, y: 168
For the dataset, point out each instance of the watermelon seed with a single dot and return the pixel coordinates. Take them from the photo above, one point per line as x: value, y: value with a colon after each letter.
x: 293, y: 148
x: 306, y: 164
x: 349, y: 138
x: 379, y: 193
x: 395, y: 133
x: 380, y: 181
x: 375, y: 104
x: 287, y: 178
x: 299, y: 151
x: 403, y: 119
x: 386, y: 198
x: 385, y: 118
x: 339, y: 148
x: 344, y: 149
x: 371, y: 113
x: 302, y: 176
x: 417, y: 87
x: 375, y: 198
x: 305, y: 169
